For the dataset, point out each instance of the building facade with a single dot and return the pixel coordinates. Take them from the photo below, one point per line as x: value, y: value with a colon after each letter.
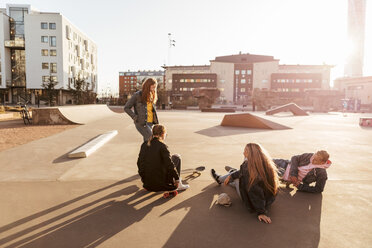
x: 357, y: 88
x: 237, y: 76
x: 130, y: 81
x: 294, y: 80
x: 39, y: 48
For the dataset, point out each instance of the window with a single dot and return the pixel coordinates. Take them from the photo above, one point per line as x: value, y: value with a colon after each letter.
x: 236, y: 72
x: 243, y: 72
x: 242, y: 81
x: 44, y: 52
x: 53, y: 52
x: 53, y: 67
x: 242, y: 90
x: 44, y: 39
x: 53, y: 78
x: 44, y: 25
x: 52, y: 25
x: 45, y: 79
x: 44, y: 65
x: 249, y: 72
x: 53, y: 41
x: 182, y: 80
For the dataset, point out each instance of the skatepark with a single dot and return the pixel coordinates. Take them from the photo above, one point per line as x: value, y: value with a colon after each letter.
x: 51, y: 200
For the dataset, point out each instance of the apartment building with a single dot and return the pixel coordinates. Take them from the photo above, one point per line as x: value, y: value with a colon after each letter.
x: 131, y: 81
x: 41, y: 47
x: 236, y: 76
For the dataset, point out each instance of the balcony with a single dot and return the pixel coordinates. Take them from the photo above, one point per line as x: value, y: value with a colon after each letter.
x: 15, y: 44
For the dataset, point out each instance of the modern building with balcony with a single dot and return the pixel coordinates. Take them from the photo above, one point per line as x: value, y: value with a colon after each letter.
x: 37, y: 48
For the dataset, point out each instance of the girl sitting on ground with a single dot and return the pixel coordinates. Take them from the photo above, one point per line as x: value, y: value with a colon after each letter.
x: 159, y: 170
x: 256, y: 182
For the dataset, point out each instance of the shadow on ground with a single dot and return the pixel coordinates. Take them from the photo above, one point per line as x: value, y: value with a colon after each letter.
x: 296, y: 222
x: 295, y: 218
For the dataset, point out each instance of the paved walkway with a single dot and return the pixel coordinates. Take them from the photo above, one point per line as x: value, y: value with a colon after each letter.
x: 48, y: 200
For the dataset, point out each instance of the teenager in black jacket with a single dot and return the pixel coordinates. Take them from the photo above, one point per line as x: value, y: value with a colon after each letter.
x: 304, y: 169
x: 256, y: 181
x: 159, y: 170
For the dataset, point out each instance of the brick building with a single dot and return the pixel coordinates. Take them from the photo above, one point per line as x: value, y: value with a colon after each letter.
x: 130, y: 82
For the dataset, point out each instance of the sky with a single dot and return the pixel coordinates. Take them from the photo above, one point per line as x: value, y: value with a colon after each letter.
x: 133, y: 34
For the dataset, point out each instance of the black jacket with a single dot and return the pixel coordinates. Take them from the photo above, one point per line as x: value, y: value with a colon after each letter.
x: 317, y: 175
x: 156, y: 168
x: 140, y: 109
x: 256, y: 198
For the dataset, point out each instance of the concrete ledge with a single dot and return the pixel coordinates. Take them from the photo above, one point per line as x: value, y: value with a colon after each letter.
x: 93, y: 145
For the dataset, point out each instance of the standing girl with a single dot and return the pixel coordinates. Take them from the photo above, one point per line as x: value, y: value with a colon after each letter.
x: 256, y: 182
x: 143, y: 102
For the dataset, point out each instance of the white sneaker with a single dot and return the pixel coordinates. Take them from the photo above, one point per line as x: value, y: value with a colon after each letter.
x: 182, y: 186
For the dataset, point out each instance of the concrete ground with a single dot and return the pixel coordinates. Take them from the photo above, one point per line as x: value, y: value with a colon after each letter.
x: 48, y: 200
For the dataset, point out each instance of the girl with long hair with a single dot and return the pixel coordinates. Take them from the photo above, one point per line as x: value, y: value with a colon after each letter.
x: 143, y: 102
x: 159, y: 171
x: 256, y: 182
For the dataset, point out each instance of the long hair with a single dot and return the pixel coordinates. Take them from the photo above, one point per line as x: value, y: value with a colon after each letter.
x: 157, y: 130
x: 260, y: 165
x: 147, y: 94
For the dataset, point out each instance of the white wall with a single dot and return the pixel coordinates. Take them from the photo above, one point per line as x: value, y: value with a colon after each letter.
x: 71, y: 56
x: 4, y: 52
x: 33, y: 47
x: 65, y: 50
x: 262, y: 74
x: 225, y: 79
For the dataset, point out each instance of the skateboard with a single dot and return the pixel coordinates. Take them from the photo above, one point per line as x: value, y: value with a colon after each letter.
x: 169, y: 194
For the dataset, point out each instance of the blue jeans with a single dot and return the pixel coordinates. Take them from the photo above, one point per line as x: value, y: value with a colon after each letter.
x: 281, y: 164
x: 234, y: 184
x: 145, y: 130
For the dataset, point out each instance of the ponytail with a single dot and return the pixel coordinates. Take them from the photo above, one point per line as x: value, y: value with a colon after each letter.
x: 149, y: 141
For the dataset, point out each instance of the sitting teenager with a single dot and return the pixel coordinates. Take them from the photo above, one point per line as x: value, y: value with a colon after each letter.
x: 305, y: 169
x: 159, y: 171
x: 256, y: 182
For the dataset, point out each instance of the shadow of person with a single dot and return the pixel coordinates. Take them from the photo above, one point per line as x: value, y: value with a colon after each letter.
x: 93, y: 227
x: 40, y: 214
x: 295, y: 222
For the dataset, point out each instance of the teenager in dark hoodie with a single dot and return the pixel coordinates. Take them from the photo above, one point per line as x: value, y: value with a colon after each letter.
x: 305, y: 169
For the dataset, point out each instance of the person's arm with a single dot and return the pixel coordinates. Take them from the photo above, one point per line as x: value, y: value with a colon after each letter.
x: 141, y: 162
x: 165, y: 154
x: 320, y: 182
x: 129, y: 105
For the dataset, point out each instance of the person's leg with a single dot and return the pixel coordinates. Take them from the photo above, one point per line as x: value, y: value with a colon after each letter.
x: 281, y: 164
x: 222, y: 178
x: 235, y: 184
x: 176, y: 159
x: 145, y: 131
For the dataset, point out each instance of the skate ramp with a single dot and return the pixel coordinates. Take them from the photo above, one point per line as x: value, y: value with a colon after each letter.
x: 81, y: 114
x: 291, y: 107
x: 250, y: 121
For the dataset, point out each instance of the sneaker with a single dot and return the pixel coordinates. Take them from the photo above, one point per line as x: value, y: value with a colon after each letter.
x: 183, y: 186
x: 229, y: 169
x: 215, y: 176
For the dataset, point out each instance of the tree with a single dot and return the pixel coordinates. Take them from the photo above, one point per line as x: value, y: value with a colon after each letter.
x: 50, y: 93
x: 81, y: 92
